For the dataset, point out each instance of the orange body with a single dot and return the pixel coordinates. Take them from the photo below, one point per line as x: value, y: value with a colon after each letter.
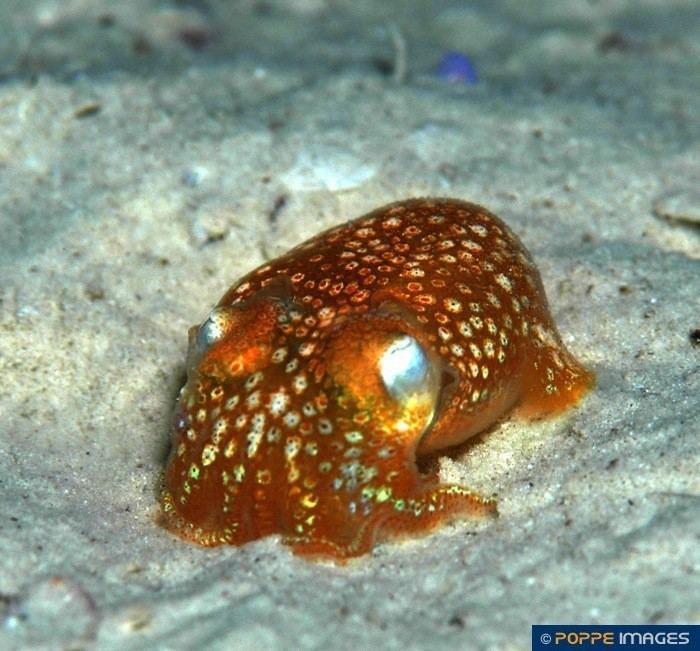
x: 321, y: 376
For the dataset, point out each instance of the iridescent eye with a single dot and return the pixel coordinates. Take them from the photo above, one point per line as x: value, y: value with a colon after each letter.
x: 408, y: 373
x: 214, y: 328
x: 217, y: 326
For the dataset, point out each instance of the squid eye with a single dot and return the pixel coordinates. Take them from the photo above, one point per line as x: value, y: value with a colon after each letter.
x: 217, y: 326
x: 214, y: 329
x: 407, y: 371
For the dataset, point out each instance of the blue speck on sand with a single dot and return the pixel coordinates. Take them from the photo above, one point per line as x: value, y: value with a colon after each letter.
x: 457, y: 68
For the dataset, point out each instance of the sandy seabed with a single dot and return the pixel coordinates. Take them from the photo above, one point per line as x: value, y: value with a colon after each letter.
x: 153, y: 152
